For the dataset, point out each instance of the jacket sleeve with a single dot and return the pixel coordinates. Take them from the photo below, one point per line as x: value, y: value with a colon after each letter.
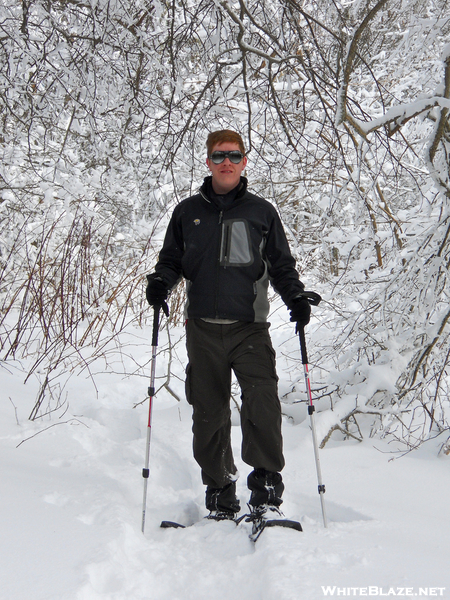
x: 168, y: 267
x: 282, y: 272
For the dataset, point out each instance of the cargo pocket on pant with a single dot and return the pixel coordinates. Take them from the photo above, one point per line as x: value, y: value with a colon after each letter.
x: 272, y: 361
x: 187, y: 384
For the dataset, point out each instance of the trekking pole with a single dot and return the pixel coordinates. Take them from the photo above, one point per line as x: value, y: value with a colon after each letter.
x: 151, y: 393
x: 313, y: 299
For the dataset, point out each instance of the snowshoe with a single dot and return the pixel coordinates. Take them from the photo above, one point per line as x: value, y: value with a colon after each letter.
x: 267, y: 515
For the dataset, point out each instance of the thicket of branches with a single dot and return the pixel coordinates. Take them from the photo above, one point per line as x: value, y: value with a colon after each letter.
x: 344, y: 108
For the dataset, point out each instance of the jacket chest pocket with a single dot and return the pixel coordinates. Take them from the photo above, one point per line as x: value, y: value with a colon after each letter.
x: 236, y: 248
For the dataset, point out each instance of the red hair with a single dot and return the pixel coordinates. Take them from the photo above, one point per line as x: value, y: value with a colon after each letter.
x: 224, y: 135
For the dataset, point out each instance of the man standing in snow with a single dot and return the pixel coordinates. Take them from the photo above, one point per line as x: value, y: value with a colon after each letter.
x: 228, y: 244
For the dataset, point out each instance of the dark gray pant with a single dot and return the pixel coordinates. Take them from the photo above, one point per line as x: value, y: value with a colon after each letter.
x: 214, y: 351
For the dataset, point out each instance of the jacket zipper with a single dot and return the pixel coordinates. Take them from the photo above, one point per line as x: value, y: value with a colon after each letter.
x: 216, y: 307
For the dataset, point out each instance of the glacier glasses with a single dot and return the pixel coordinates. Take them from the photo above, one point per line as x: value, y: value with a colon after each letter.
x: 233, y: 156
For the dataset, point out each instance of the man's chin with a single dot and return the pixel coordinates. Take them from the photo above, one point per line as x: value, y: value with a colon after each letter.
x: 223, y: 187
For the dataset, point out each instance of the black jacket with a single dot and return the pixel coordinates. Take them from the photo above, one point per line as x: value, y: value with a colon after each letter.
x: 228, y: 254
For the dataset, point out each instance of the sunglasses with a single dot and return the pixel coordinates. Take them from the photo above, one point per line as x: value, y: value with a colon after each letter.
x: 233, y: 155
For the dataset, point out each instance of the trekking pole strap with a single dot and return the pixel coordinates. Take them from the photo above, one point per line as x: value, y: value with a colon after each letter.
x: 312, y: 297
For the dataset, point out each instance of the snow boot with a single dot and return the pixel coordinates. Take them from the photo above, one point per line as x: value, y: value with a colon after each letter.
x: 267, y: 515
x: 265, y: 512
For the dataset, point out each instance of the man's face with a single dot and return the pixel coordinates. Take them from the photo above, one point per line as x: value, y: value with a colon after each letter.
x: 225, y: 176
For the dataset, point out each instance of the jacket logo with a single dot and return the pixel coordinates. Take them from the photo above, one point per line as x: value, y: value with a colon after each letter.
x: 196, y: 221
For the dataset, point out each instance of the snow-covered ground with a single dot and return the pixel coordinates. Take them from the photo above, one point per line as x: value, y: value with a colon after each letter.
x: 71, y: 506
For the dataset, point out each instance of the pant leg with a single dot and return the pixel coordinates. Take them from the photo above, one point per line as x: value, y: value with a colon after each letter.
x: 265, y: 487
x: 222, y: 499
x: 208, y: 390
x: 253, y: 361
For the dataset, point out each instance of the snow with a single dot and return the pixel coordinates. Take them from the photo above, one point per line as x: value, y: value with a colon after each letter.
x: 403, y: 111
x: 93, y: 160
x: 71, y: 501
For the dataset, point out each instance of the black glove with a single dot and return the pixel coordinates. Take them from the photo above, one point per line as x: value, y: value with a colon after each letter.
x: 300, y: 312
x: 156, y: 291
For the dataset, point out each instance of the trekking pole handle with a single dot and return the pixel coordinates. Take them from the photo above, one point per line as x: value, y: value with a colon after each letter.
x: 301, y: 334
x: 314, y: 299
x: 155, y: 330
x: 156, y: 313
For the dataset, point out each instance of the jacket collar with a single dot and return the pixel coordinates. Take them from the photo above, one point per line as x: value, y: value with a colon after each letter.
x: 206, y: 191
